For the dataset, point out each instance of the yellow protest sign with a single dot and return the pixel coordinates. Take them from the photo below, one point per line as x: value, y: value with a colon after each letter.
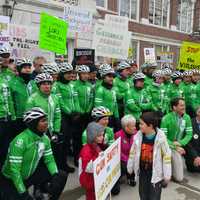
x: 189, y: 56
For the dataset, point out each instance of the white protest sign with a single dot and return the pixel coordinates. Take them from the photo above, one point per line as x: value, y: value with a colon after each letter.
x: 108, y: 42
x: 4, y: 30
x: 149, y: 55
x: 79, y: 20
x: 166, y: 57
x: 24, y: 42
x: 107, y: 170
x: 117, y: 22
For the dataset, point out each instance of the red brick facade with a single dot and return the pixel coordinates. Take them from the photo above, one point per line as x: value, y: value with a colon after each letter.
x: 140, y: 27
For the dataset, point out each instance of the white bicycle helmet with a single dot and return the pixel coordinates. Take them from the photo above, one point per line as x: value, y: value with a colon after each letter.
x: 106, y: 71
x: 43, y: 77
x: 176, y: 74
x: 104, y: 66
x: 100, y: 111
x: 167, y: 72
x: 157, y: 73
x: 65, y: 67
x: 139, y: 75
x: 5, y: 50
x: 50, y: 68
x: 123, y: 65
x: 33, y: 114
x: 187, y: 73
x: 24, y: 61
x: 131, y: 61
x: 82, y: 69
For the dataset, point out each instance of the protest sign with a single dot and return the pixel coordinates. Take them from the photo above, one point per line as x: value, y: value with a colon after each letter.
x: 165, y: 57
x: 189, y: 56
x: 53, y: 34
x: 79, y: 20
x: 107, y: 170
x: 108, y: 42
x: 4, y: 30
x: 149, y: 55
x: 84, y: 57
x: 24, y: 42
x: 117, y: 22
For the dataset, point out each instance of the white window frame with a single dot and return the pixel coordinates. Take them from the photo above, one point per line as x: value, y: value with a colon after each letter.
x: 168, y: 15
x: 192, y: 18
x: 105, y: 5
x: 137, y: 9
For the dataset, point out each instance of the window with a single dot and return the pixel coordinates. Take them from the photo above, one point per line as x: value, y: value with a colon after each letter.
x: 101, y: 3
x: 133, y: 50
x: 128, y: 8
x: 159, y: 12
x: 185, y: 15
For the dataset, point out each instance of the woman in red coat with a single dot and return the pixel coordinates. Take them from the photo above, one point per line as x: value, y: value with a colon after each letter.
x: 89, y: 152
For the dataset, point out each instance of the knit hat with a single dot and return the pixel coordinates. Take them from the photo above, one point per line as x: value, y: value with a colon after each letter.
x: 93, y: 130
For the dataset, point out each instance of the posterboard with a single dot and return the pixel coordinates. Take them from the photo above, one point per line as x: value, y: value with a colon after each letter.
x: 149, y: 55
x: 107, y: 170
x: 24, y: 42
x: 189, y: 56
x: 84, y: 56
x: 4, y: 30
x: 53, y: 34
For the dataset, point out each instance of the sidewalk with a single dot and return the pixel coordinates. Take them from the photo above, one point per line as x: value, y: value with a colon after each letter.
x: 189, y: 190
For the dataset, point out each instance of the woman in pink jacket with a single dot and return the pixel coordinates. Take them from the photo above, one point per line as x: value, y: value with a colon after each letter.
x: 127, y: 135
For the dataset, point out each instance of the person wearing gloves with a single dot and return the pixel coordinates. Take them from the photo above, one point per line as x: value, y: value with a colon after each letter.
x: 101, y: 116
x: 126, y: 134
x: 86, y: 99
x: 89, y: 152
x: 150, y: 157
x: 23, y: 169
x: 50, y: 104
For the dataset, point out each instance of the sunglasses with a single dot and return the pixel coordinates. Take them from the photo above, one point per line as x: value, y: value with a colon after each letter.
x: 5, y: 55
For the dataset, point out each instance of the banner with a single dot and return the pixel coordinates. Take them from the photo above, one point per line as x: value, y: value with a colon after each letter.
x: 108, y: 42
x: 107, y: 170
x: 189, y: 56
x: 53, y: 34
x: 4, y: 30
x: 24, y: 42
x: 84, y: 57
x: 165, y: 57
x: 79, y: 20
x: 149, y: 55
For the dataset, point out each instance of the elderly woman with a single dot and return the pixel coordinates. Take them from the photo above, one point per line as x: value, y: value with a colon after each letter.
x: 127, y: 135
x: 192, y: 157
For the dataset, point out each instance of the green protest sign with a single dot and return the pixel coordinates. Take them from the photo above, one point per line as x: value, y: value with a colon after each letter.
x: 53, y: 34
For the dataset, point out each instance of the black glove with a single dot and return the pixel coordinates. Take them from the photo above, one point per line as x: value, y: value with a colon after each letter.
x: 57, y: 138
x: 26, y: 196
x: 57, y: 183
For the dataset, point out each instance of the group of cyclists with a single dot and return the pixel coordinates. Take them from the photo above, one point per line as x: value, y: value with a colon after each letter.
x: 60, y: 99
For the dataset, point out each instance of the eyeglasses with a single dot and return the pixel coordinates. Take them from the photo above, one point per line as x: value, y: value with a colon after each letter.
x: 5, y: 55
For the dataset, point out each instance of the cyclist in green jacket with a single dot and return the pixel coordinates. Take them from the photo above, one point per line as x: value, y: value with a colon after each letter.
x: 136, y: 99
x: 19, y: 92
x: 167, y: 78
x: 6, y: 73
x: 101, y: 115
x: 178, y: 129
x: 22, y: 168
x: 85, y: 97
x: 175, y: 90
x: 7, y: 117
x: 121, y: 83
x: 69, y: 103
x: 189, y: 90
x: 106, y: 95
